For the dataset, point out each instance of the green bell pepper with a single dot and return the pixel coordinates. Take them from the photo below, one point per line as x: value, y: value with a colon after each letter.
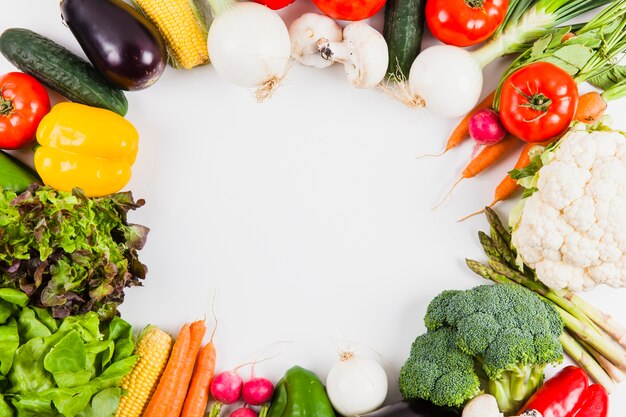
x: 14, y: 175
x: 300, y: 393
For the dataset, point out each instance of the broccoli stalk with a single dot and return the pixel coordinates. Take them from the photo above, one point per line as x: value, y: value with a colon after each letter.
x: 515, y: 386
x: 493, y: 338
x: 593, y: 339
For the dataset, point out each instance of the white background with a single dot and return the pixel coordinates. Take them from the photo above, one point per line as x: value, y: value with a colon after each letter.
x: 309, y: 214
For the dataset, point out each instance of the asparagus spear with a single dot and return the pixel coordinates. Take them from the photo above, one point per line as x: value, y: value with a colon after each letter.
x: 495, y: 222
x: 580, y: 355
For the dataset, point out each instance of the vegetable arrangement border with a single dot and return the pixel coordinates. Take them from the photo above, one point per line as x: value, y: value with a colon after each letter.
x: 69, y: 251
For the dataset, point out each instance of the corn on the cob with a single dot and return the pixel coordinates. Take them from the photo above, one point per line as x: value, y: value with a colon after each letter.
x: 153, y: 348
x: 182, y: 26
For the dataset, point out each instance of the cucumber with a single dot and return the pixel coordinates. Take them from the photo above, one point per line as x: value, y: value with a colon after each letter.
x: 404, y: 27
x: 61, y: 70
x: 14, y: 175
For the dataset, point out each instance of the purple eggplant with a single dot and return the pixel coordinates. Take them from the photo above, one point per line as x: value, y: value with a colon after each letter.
x: 118, y: 40
x: 414, y: 409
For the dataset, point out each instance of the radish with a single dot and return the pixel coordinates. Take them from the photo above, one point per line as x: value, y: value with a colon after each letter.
x: 356, y: 385
x: 486, y: 129
x: 448, y: 79
x: 225, y: 389
x: 244, y: 412
x: 249, y: 45
x: 257, y: 391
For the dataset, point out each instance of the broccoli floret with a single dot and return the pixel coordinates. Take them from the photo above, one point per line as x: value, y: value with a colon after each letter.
x: 508, y: 332
x: 438, y: 371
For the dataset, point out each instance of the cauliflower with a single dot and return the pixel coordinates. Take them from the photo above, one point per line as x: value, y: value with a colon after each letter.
x: 572, y: 228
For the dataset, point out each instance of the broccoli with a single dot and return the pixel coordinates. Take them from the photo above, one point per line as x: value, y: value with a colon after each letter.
x: 494, y: 338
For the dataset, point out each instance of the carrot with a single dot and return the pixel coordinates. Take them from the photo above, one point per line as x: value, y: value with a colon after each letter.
x: 567, y: 37
x: 168, y: 385
x: 170, y: 394
x: 482, y: 161
x: 198, y: 395
x: 591, y: 107
x: 488, y: 156
x: 461, y: 131
x: 508, y: 186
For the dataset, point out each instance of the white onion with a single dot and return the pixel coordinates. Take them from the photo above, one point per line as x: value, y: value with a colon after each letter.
x: 249, y: 45
x: 449, y: 80
x: 356, y: 385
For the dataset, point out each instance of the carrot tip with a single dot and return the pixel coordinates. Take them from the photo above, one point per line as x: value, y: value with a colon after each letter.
x: 445, y: 197
x: 462, y: 219
x: 432, y: 155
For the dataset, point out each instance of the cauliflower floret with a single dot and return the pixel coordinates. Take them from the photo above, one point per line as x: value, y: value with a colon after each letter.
x: 573, y: 228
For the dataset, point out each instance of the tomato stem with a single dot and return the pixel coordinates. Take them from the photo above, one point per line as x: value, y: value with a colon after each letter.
x: 6, y: 105
x: 536, y: 101
x: 475, y: 4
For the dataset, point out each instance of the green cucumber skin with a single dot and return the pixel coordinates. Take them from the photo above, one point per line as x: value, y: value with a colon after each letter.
x: 404, y: 27
x: 14, y: 175
x: 60, y: 70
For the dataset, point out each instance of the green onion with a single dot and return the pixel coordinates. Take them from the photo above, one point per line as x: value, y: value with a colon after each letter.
x: 529, y: 20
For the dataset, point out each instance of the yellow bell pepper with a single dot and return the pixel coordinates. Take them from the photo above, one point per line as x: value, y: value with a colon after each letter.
x: 85, y: 147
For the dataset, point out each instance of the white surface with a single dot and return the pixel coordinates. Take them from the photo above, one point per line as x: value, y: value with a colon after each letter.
x: 309, y: 214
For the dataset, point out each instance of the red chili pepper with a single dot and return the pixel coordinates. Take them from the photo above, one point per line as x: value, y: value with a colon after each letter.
x: 595, y: 402
x: 561, y: 395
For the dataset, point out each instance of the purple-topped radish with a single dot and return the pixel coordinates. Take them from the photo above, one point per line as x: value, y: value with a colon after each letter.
x: 486, y: 129
x: 225, y: 389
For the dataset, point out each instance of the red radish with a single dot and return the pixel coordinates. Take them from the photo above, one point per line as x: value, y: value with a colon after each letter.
x: 244, y: 412
x: 225, y: 389
x: 257, y: 391
x: 486, y: 129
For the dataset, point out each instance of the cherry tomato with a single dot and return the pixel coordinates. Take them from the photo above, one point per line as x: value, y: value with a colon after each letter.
x: 464, y: 22
x: 538, y: 102
x: 275, y: 4
x: 349, y: 9
x: 23, y: 103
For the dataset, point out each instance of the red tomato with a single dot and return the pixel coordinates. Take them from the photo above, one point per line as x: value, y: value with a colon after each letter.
x: 538, y: 102
x: 275, y: 4
x: 23, y: 103
x: 464, y: 22
x: 349, y: 9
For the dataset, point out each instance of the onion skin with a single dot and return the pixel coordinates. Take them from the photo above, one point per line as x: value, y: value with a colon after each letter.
x: 249, y: 45
x: 448, y: 79
x: 120, y: 42
x: 356, y: 385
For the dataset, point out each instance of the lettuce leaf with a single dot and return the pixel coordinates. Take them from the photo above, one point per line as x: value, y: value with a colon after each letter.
x: 70, y: 253
x: 69, y: 367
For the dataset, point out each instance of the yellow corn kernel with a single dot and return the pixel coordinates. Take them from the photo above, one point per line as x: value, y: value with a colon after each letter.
x: 153, y: 348
x: 181, y: 26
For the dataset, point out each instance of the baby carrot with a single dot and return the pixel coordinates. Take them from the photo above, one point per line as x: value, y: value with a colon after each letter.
x: 591, y: 107
x: 198, y: 395
x: 487, y: 157
x: 169, y: 387
x: 170, y: 394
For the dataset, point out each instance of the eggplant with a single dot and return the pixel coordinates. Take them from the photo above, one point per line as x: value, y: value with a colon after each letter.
x: 414, y: 409
x: 118, y: 40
